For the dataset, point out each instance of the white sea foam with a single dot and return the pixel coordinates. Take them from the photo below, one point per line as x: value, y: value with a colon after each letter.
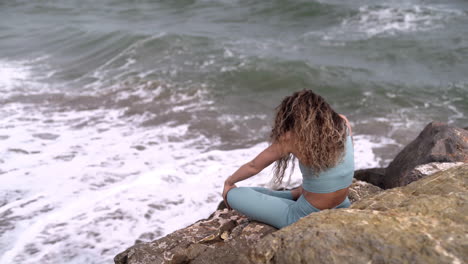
x: 364, y: 147
x: 12, y: 75
x: 90, y: 192
x: 20, y: 77
x: 391, y: 19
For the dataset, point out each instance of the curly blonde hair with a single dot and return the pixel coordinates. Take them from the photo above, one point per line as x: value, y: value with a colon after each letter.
x: 317, y: 132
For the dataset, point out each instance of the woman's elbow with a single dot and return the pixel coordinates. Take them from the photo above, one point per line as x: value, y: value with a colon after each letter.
x: 253, y: 168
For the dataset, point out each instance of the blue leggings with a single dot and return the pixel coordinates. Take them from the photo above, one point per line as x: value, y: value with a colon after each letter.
x: 276, y: 208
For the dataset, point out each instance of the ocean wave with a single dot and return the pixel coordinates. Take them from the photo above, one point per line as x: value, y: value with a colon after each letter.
x: 386, y: 20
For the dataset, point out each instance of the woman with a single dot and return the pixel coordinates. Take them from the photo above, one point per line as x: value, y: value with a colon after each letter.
x: 306, y: 128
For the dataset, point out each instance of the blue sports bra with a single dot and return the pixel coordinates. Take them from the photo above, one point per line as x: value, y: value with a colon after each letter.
x: 333, y: 179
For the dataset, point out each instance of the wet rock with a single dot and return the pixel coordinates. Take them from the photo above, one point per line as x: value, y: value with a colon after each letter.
x: 374, y: 176
x: 438, y: 142
x: 423, y: 222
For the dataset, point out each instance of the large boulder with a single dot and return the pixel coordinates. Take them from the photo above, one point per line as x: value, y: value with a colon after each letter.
x: 423, y: 222
x: 438, y: 142
x: 225, y: 237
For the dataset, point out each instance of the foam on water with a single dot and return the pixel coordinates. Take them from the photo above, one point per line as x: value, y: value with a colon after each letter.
x: 12, y: 75
x: 24, y: 76
x: 86, y: 194
x: 387, y: 20
x: 364, y: 148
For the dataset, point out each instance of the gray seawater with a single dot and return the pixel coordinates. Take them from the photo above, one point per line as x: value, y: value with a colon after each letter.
x: 95, y: 94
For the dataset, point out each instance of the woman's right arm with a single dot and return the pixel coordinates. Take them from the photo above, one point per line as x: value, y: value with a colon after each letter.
x: 265, y: 158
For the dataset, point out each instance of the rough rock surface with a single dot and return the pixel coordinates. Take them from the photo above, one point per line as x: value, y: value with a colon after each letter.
x: 438, y: 142
x: 221, y: 237
x: 423, y: 222
x: 360, y: 190
x: 225, y: 237
x: 424, y: 170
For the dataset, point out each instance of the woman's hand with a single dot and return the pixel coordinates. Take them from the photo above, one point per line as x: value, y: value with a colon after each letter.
x: 227, y: 186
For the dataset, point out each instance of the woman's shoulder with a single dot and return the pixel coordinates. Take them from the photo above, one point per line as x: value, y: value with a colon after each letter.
x: 347, y: 124
x: 344, y: 117
x: 286, y: 142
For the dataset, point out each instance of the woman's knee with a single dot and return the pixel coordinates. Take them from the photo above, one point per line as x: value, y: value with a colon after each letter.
x: 235, y: 196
